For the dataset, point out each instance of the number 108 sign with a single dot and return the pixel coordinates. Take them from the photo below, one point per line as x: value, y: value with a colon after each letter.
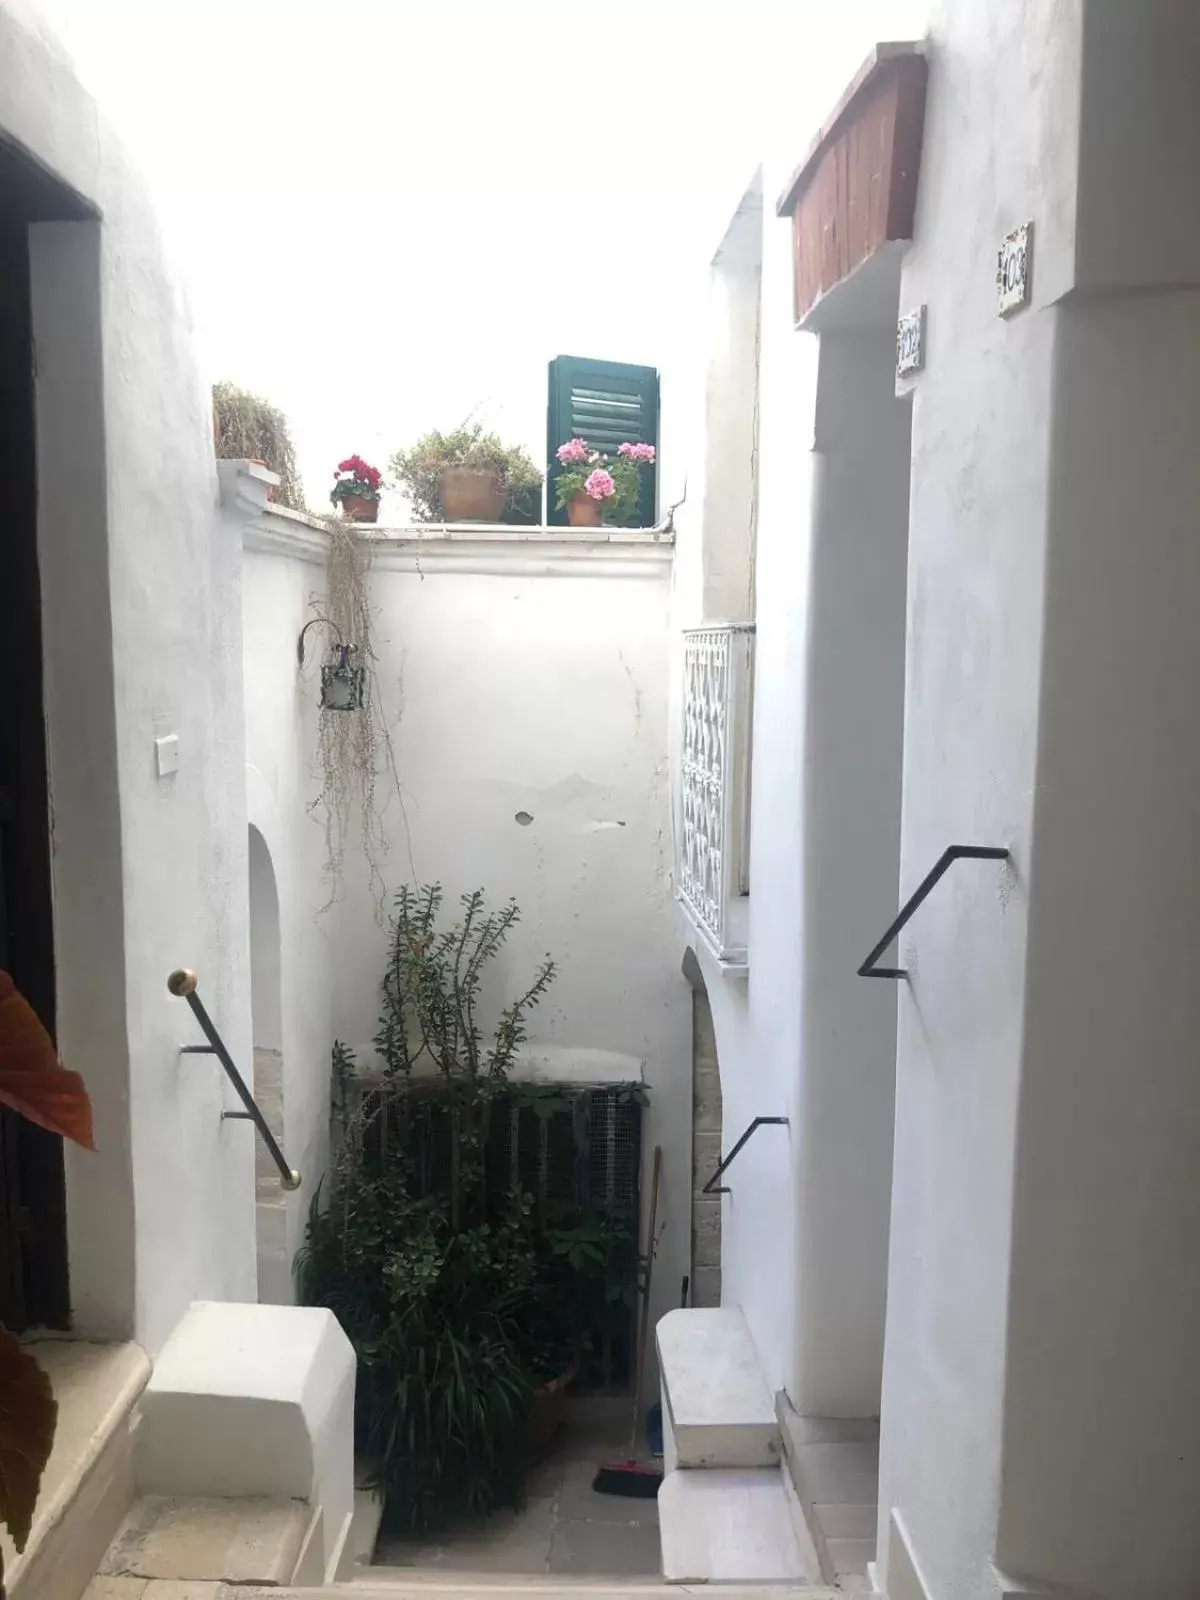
x: 1013, y: 269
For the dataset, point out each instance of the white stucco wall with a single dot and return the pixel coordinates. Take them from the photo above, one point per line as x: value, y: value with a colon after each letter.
x: 730, y: 479
x: 1039, y: 1402
x: 757, y: 1023
x: 854, y: 694
x: 141, y: 586
x: 979, y: 506
x: 284, y: 573
x: 1105, y: 1277
x: 803, y: 1037
x: 529, y: 674
x: 1041, y: 1289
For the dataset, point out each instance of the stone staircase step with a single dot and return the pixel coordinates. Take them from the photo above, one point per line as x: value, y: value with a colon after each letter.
x: 833, y: 1464
x: 729, y: 1525
x: 404, y: 1584
x: 157, y: 1589
x: 87, y: 1486
x: 187, y: 1541
x: 256, y: 1402
x: 364, y: 1533
x: 718, y: 1410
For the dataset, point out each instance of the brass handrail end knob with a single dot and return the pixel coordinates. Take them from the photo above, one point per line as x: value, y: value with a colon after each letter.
x: 292, y: 1181
x: 182, y: 982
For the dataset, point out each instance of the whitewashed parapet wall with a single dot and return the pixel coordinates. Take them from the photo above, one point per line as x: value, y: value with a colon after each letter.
x: 524, y: 676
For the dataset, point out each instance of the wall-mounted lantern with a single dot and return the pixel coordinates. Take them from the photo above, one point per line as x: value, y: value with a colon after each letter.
x: 342, y: 683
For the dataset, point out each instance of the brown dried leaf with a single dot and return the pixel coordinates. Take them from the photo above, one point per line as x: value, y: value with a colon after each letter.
x: 32, y: 1082
x: 28, y: 1413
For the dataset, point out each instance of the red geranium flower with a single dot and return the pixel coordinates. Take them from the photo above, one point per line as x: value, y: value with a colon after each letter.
x: 356, y: 476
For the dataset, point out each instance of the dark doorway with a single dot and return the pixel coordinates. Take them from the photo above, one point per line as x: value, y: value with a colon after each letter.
x: 33, y: 1252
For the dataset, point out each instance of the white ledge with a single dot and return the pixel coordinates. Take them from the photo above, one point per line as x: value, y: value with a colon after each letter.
x: 245, y: 486
x: 277, y: 531
x: 716, y: 1399
x: 474, y: 548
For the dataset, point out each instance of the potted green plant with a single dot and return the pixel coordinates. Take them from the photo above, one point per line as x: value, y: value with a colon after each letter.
x: 465, y: 476
x: 356, y: 489
x: 595, y: 488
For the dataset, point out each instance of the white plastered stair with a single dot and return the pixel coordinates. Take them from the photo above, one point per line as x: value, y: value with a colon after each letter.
x: 727, y: 1511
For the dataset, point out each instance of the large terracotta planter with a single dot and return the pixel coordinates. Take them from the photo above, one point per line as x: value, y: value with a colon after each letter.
x: 359, y: 509
x: 583, y: 511
x: 549, y: 1411
x: 469, y: 495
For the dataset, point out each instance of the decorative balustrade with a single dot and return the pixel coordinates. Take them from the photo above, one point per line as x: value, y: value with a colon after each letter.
x: 714, y: 786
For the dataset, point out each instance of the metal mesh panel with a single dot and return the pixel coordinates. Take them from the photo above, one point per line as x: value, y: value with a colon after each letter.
x: 591, y: 1156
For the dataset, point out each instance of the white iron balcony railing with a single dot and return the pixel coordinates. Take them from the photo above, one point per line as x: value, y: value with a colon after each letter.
x: 714, y: 786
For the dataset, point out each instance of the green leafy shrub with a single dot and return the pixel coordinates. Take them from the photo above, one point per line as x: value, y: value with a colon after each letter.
x: 416, y: 470
x: 460, y: 1292
x: 436, y: 1288
x: 435, y: 1316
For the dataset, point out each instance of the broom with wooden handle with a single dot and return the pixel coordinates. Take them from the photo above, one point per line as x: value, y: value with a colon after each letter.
x: 630, y: 1477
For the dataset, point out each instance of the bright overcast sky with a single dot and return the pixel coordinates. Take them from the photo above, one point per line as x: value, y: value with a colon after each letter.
x: 390, y: 214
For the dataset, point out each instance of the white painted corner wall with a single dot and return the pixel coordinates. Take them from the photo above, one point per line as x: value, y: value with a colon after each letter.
x: 979, y: 505
x: 757, y: 1022
x: 149, y: 871
x: 284, y: 587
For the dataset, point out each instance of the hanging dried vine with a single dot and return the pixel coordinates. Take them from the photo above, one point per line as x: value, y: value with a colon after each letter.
x: 354, y: 748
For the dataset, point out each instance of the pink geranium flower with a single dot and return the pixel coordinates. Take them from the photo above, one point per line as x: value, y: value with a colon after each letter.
x: 637, y: 452
x: 574, y: 450
x: 600, y: 484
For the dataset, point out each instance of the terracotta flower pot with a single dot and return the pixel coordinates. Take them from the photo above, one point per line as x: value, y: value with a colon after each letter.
x: 583, y: 511
x: 549, y: 1409
x: 470, y: 495
x: 359, y: 509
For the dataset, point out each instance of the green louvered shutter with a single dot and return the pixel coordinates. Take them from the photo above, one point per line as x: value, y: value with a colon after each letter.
x: 606, y: 403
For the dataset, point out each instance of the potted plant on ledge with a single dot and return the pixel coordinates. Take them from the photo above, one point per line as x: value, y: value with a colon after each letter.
x: 356, y: 487
x: 594, y: 489
x: 465, y: 476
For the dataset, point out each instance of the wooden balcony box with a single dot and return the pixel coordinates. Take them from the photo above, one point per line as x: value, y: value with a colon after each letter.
x: 855, y: 193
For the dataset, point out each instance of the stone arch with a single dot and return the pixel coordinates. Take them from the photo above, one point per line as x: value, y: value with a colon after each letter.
x: 706, y: 1142
x: 266, y: 1004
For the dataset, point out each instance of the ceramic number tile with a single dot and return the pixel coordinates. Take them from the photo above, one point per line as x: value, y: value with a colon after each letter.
x: 910, y: 343
x: 1014, y: 269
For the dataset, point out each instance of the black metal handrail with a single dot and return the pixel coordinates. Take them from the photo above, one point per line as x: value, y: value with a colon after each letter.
x: 759, y: 1122
x: 182, y: 985
x: 953, y: 853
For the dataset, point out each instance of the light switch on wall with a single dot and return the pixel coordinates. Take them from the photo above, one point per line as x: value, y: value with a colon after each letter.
x: 166, y: 752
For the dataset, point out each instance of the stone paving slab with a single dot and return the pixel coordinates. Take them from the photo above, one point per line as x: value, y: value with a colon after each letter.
x: 565, y: 1527
x: 206, y: 1540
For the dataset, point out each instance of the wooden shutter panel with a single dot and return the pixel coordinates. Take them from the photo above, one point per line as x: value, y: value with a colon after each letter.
x: 606, y: 403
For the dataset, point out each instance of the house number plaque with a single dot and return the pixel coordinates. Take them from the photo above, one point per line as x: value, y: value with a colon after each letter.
x: 1013, y: 269
x: 910, y: 343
